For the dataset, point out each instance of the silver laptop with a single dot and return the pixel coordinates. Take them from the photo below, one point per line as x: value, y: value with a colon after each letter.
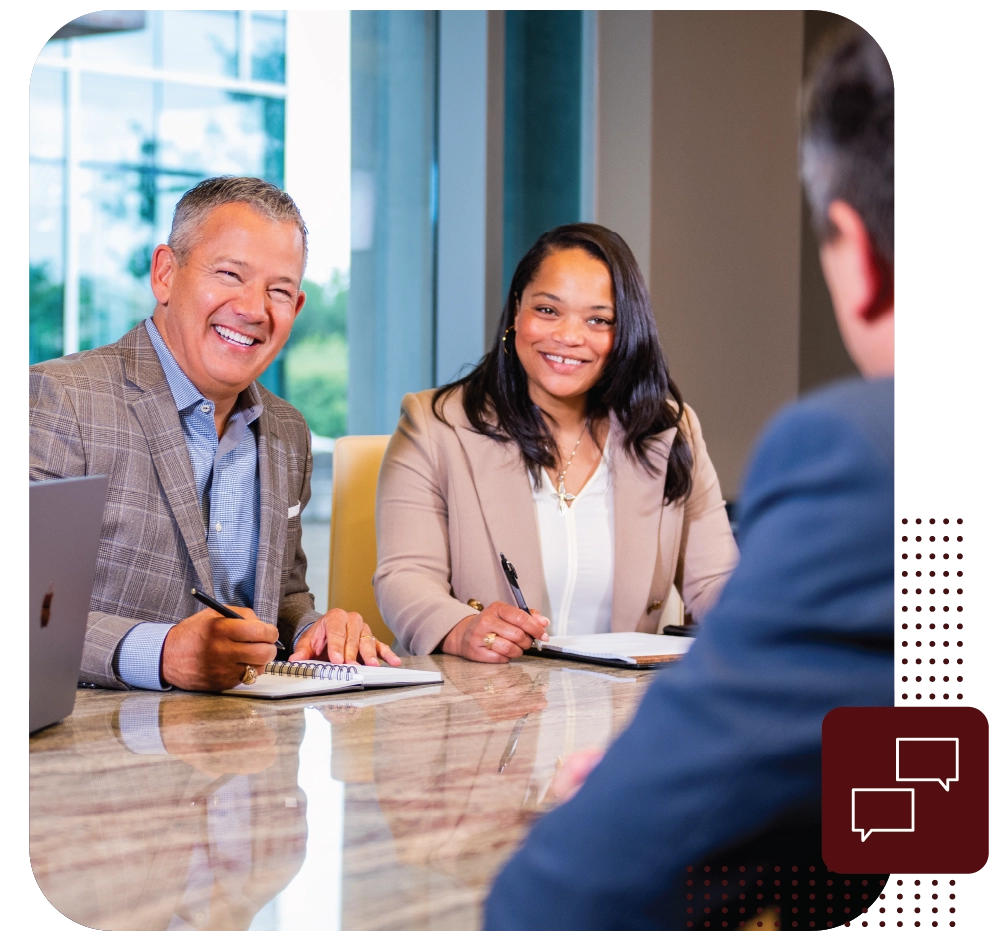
x: 65, y: 518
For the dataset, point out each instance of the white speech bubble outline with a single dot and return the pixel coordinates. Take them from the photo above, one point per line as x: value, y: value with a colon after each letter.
x: 866, y: 833
x: 944, y: 783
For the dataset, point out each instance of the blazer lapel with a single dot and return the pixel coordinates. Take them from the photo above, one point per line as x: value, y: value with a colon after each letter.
x: 273, y: 503
x: 156, y: 413
x: 638, y: 514
x: 505, y: 494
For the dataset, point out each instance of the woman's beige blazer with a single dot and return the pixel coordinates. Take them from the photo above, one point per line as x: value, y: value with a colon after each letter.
x: 449, y: 499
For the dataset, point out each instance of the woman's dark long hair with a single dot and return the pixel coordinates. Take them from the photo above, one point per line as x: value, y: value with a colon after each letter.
x: 634, y: 385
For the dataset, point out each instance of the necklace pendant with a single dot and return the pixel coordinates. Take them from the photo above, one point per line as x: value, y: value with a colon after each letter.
x: 564, y: 497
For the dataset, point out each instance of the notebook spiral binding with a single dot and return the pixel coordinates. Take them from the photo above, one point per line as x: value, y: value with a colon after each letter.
x: 328, y: 672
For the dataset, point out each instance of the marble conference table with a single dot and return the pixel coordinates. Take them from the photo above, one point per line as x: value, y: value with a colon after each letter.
x: 389, y: 809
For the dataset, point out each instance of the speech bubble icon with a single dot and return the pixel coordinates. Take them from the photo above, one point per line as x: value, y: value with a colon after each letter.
x: 927, y: 759
x: 883, y: 810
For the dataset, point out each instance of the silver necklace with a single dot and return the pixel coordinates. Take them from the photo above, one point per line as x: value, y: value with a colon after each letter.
x: 562, y: 494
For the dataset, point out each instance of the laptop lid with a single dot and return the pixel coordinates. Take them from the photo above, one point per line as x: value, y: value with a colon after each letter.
x: 65, y: 519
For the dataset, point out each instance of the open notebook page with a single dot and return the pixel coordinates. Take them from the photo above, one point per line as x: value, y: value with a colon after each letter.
x: 624, y: 647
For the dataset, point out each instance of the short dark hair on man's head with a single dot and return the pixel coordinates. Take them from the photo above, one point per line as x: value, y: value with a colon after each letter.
x: 847, y: 136
x: 264, y: 197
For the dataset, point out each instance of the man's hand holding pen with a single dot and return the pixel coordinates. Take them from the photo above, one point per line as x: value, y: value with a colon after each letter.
x: 497, y: 634
x: 208, y: 651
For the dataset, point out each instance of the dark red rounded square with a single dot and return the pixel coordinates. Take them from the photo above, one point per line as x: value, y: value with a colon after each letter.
x: 905, y: 789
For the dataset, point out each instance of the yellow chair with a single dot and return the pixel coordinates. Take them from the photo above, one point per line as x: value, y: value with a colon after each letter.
x: 353, y: 538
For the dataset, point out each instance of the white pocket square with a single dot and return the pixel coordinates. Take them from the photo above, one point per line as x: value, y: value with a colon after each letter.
x: 294, y: 510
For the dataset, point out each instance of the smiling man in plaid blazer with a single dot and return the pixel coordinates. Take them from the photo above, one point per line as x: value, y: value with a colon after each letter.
x: 208, y: 470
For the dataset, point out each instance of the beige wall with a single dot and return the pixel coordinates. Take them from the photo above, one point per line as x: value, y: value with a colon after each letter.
x: 725, y: 218
x: 697, y: 168
x: 624, y: 127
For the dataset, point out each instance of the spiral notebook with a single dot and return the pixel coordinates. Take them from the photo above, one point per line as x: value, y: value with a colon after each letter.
x: 311, y: 678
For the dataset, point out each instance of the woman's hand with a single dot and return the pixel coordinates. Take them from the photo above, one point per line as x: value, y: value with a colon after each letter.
x: 513, y: 632
x: 342, y: 637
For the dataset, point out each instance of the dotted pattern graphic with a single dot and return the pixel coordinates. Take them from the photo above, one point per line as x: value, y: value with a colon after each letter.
x: 931, y: 519
x: 930, y: 648
x: 931, y: 682
x: 935, y: 553
x: 913, y: 902
x: 919, y: 595
x: 776, y: 897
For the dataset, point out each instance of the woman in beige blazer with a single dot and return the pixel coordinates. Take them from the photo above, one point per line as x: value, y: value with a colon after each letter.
x: 575, y: 388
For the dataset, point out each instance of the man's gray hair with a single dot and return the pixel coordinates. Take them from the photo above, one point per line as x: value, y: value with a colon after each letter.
x: 847, y: 136
x: 196, y: 203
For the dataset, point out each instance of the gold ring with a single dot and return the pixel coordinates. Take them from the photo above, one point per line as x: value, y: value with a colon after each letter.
x: 363, y: 636
x: 250, y: 676
x: 489, y: 640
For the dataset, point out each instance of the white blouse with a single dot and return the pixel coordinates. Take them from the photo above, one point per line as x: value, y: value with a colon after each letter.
x: 578, y: 555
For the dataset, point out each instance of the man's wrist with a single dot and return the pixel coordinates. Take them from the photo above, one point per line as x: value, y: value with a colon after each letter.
x: 138, y: 658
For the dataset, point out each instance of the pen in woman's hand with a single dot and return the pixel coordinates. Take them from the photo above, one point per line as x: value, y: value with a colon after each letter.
x: 513, y: 582
x: 213, y: 603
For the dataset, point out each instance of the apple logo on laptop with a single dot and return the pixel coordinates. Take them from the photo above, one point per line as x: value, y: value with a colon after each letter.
x: 46, y: 606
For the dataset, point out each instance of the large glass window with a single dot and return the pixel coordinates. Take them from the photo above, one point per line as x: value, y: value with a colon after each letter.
x: 47, y: 147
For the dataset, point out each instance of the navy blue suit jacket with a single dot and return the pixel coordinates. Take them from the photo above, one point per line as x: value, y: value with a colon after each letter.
x: 728, y: 740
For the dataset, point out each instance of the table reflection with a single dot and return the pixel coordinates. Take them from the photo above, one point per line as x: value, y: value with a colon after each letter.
x: 379, y: 809
x: 440, y: 790
x: 170, y: 811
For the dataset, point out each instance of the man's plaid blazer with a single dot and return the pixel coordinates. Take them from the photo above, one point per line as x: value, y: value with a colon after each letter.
x: 110, y: 411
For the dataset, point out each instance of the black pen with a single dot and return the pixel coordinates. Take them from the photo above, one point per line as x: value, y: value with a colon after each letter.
x: 513, y: 581
x: 213, y: 603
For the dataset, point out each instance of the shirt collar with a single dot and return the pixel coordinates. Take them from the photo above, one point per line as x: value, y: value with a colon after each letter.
x: 185, y: 395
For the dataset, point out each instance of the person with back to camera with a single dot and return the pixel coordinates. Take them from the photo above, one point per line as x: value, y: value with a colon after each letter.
x: 723, y: 754
x: 568, y: 449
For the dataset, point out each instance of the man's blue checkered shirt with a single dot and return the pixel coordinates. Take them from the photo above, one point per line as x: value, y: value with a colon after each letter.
x: 227, y: 481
